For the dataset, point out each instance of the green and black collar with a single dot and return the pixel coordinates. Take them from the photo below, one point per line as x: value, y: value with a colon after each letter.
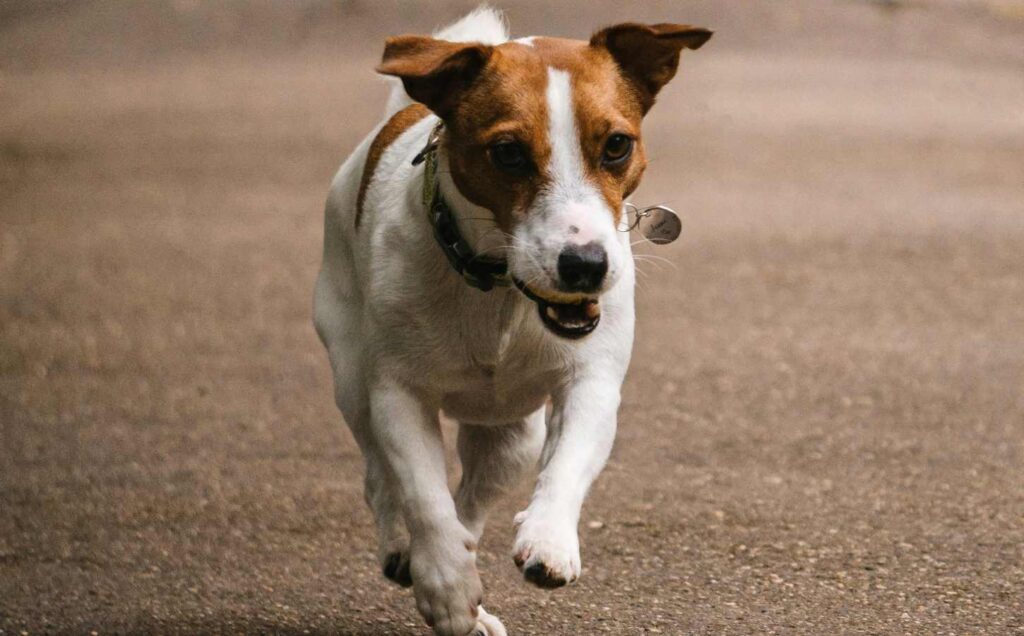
x: 482, y: 272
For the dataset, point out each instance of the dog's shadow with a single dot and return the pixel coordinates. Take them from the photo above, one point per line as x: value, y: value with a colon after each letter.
x: 233, y: 623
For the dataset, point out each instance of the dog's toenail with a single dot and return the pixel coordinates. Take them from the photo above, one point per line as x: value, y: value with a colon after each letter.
x: 404, y: 577
x: 391, y: 565
x: 396, y: 568
x: 540, y: 575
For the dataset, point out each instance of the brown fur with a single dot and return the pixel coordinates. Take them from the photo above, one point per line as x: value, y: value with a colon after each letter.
x: 649, y: 54
x: 605, y: 103
x: 434, y: 72
x: 488, y: 94
x: 508, y: 101
x: 398, y: 124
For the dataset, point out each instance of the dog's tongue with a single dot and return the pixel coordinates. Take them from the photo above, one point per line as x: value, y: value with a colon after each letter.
x: 574, y: 315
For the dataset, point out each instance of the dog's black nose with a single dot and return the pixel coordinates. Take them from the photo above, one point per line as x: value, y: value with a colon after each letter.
x: 582, y: 267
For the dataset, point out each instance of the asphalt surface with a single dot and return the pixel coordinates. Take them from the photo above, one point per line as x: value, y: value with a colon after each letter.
x: 822, y: 430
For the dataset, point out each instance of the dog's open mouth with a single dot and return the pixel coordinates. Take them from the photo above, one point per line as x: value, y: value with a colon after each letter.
x: 570, y: 320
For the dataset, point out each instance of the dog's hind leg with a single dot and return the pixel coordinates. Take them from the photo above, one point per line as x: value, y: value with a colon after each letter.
x: 382, y: 497
x: 337, y: 324
x: 494, y: 459
x: 379, y: 489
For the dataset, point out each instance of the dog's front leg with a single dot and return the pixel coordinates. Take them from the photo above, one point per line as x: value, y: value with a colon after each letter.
x: 580, y: 436
x: 443, y: 553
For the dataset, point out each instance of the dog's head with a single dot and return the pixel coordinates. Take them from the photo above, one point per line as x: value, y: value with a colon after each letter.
x: 545, y: 134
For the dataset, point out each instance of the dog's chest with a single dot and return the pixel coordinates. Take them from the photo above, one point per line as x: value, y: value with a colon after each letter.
x: 485, y: 357
x: 508, y: 390
x: 507, y: 375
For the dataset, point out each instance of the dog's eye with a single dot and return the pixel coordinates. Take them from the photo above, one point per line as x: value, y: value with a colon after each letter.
x: 617, y: 149
x: 510, y: 157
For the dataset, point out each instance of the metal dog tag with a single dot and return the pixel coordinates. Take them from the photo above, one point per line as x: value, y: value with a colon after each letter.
x: 660, y: 225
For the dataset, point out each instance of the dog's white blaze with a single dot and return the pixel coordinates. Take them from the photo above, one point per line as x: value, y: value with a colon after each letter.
x: 572, y: 204
x: 568, y: 183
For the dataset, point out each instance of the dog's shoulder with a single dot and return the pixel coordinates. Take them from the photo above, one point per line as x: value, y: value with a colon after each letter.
x: 391, y: 131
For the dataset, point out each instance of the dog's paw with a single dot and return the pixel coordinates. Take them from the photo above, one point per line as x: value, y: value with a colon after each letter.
x: 488, y: 624
x: 395, y: 564
x: 546, y: 551
x: 447, y: 586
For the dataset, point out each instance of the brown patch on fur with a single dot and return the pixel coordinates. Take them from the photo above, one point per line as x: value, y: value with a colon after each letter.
x: 506, y: 103
x: 392, y: 130
x: 605, y: 103
x: 509, y: 102
x: 649, y: 54
x: 434, y: 72
x: 492, y: 94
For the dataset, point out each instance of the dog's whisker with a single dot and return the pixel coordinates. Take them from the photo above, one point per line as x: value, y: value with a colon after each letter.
x: 654, y: 257
x: 657, y: 259
x: 655, y: 266
x: 658, y: 267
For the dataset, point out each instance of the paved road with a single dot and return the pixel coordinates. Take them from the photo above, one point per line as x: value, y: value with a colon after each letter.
x: 823, y: 428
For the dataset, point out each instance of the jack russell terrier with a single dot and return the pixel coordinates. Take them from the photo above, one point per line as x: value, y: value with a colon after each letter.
x: 476, y: 261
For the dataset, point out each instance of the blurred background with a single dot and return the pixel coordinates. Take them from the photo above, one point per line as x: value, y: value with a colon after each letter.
x: 823, y: 428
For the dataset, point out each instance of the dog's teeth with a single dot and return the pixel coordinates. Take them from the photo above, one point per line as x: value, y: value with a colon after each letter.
x: 593, y: 310
x: 552, y: 313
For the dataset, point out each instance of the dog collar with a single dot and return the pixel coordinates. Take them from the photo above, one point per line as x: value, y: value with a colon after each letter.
x: 481, y: 272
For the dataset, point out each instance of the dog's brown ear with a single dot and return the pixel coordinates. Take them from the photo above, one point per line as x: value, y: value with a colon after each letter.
x: 434, y: 72
x: 649, y: 54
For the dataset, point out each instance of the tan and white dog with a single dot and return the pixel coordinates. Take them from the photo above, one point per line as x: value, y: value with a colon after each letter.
x: 475, y: 263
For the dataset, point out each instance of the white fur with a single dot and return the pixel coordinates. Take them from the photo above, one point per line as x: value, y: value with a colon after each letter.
x: 484, y: 24
x: 569, y: 182
x: 407, y: 338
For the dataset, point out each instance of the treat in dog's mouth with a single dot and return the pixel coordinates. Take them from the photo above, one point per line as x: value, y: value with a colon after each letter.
x: 570, y: 320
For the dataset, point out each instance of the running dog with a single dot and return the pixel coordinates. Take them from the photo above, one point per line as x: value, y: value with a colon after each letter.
x: 476, y: 262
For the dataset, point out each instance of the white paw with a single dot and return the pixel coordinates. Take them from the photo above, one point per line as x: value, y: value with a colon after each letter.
x: 488, y: 624
x: 546, y: 550
x: 446, y: 584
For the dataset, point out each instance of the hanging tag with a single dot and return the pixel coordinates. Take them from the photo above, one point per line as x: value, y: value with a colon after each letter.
x: 659, y: 224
